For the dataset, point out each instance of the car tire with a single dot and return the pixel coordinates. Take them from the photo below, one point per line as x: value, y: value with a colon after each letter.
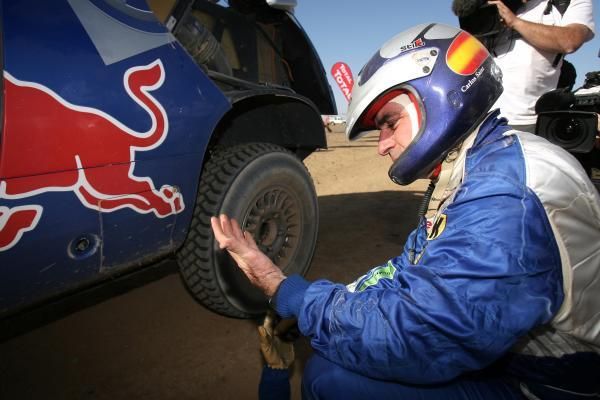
x: 271, y: 194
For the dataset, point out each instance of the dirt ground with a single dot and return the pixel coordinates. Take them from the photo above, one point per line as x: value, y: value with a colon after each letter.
x: 155, y: 342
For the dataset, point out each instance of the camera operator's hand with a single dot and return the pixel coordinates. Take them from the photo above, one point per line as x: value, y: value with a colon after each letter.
x: 507, y: 17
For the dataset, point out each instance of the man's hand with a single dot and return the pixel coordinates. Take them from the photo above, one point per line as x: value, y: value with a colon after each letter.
x: 277, y: 352
x: 259, y: 269
x: 507, y: 17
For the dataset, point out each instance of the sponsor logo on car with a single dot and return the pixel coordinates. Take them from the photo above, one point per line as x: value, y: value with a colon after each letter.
x: 74, y: 144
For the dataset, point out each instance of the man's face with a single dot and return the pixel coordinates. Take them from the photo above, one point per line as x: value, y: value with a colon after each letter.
x: 398, y: 123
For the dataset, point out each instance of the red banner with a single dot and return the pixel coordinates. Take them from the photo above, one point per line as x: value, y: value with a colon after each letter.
x: 343, y: 76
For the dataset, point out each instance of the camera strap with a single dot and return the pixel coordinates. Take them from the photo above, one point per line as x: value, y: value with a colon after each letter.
x: 561, y: 6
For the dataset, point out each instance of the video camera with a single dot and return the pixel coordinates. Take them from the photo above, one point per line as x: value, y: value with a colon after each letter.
x: 570, y: 119
x: 481, y: 19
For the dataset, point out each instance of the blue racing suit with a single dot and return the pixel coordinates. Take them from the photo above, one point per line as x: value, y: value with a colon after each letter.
x: 509, y: 266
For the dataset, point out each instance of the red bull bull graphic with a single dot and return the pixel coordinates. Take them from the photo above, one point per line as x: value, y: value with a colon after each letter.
x: 71, y: 142
x: 14, y: 222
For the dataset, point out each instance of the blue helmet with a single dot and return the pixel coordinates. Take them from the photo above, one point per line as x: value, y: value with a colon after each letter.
x: 447, y: 75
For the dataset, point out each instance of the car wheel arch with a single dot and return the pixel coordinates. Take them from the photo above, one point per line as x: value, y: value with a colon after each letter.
x: 287, y: 120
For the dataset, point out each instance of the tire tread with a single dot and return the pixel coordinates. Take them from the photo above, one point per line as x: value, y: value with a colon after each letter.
x: 196, y: 255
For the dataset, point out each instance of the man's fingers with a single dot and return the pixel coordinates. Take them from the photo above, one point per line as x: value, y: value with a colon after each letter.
x: 250, y: 240
x: 225, y: 225
x: 263, y: 336
x: 268, y: 324
x: 496, y: 3
x: 226, y: 230
x: 218, y: 231
x: 238, y: 233
x: 236, y: 230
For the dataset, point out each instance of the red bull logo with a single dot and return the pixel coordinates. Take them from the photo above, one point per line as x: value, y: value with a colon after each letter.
x: 69, y: 141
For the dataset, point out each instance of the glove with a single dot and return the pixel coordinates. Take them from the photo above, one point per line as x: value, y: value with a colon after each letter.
x: 276, y: 350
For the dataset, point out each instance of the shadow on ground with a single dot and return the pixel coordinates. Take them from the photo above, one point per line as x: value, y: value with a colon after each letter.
x: 155, y: 342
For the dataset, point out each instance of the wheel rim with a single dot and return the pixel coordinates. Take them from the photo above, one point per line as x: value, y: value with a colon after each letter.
x: 274, y: 220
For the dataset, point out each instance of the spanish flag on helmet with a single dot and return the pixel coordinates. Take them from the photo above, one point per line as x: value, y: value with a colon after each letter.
x: 466, y: 54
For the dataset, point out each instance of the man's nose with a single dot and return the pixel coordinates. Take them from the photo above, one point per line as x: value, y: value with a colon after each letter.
x: 386, y: 141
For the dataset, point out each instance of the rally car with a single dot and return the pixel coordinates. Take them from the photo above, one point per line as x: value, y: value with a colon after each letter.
x: 127, y: 124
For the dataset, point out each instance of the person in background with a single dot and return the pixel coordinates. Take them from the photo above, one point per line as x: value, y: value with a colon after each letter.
x: 530, y: 52
x: 495, y: 294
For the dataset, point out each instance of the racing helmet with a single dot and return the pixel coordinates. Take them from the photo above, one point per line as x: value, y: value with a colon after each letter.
x: 443, y: 76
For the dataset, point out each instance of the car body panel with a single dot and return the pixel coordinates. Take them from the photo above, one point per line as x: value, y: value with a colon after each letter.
x: 108, y: 116
x: 75, y: 207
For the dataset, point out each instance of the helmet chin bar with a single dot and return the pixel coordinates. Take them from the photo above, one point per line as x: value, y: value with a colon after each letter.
x: 397, y: 180
x: 403, y: 172
x: 400, y: 175
x: 433, y: 174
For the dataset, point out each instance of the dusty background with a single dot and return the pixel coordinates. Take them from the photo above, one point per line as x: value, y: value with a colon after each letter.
x: 155, y: 342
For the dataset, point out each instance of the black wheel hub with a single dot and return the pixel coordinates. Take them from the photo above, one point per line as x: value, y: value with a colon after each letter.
x: 273, y: 219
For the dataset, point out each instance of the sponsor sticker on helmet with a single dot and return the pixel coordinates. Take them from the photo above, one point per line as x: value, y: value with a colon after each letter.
x: 472, y: 80
x: 413, y: 45
x: 377, y: 61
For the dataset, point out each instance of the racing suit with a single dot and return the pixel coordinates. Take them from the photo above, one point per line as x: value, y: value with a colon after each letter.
x: 510, y: 267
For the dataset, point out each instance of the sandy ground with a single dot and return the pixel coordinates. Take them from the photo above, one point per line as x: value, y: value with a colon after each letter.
x: 155, y: 342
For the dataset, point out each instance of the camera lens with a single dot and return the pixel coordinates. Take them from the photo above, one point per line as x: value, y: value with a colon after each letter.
x: 568, y: 132
x: 574, y: 131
